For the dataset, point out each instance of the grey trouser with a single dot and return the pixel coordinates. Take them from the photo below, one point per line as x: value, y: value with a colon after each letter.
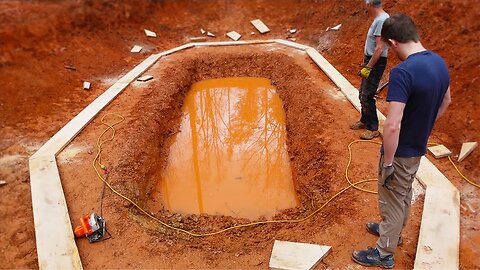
x: 394, y: 200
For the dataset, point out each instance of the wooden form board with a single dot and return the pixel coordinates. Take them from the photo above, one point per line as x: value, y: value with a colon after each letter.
x: 439, y: 151
x: 437, y: 185
x: 261, y: 27
x: 296, y: 256
x: 292, y: 44
x: 430, y: 176
x: 438, y: 242
x: 55, y: 242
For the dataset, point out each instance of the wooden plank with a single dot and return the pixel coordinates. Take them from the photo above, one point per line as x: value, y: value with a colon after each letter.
x: 429, y: 175
x: 234, y: 35
x: 55, y: 242
x: 439, y: 151
x: 467, y: 148
x: 438, y: 242
x: 197, y: 39
x: 136, y: 49
x: 149, y: 33
x: 296, y: 256
x: 74, y: 126
x: 292, y: 44
x: 261, y: 27
x: 177, y: 49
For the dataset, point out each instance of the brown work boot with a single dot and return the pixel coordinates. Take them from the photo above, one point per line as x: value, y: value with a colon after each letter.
x: 370, y: 134
x: 357, y: 125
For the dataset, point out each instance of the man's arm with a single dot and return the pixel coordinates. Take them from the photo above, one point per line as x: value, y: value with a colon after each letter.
x: 391, y: 131
x: 379, y: 45
x: 447, y: 99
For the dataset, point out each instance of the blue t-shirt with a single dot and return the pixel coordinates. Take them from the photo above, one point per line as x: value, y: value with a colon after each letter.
x: 420, y: 82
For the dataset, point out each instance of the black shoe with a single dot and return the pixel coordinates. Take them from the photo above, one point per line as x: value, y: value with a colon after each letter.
x: 374, y: 228
x: 371, y: 257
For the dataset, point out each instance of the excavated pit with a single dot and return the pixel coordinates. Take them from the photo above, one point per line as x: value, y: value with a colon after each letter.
x: 154, y: 123
x: 230, y: 156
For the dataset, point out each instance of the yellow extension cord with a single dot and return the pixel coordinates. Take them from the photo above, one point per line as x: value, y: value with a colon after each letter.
x: 111, y: 127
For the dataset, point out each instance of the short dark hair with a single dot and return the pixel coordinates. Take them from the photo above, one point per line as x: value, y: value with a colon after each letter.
x: 374, y: 3
x: 401, y: 28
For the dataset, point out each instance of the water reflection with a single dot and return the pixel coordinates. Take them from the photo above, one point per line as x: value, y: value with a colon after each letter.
x: 230, y: 156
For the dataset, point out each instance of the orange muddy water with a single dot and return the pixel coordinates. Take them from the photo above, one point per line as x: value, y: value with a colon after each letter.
x: 230, y: 156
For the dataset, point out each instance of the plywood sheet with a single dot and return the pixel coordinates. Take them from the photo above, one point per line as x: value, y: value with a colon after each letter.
x: 261, y: 27
x: 234, y: 35
x: 296, y: 256
x: 439, y: 151
x: 467, y: 148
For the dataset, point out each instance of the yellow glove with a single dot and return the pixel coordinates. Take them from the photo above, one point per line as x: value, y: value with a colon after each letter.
x: 365, y: 72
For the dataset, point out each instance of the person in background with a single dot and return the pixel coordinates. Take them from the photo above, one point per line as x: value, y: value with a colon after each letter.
x: 418, y: 94
x: 374, y: 63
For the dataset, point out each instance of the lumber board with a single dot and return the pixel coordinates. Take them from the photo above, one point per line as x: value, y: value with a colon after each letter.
x: 429, y: 175
x: 149, y: 33
x: 234, y: 35
x: 55, y: 242
x: 296, y: 256
x: 56, y: 143
x: 136, y: 49
x: 439, y: 151
x: 467, y: 148
x: 177, y: 49
x: 292, y: 44
x: 439, y: 239
x: 261, y: 27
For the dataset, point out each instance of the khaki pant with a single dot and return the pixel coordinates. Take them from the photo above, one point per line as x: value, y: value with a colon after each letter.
x: 394, y: 200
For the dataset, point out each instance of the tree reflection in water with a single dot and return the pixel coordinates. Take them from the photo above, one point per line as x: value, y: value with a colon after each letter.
x: 230, y: 156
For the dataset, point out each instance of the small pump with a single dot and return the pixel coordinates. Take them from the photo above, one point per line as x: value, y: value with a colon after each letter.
x: 93, y: 227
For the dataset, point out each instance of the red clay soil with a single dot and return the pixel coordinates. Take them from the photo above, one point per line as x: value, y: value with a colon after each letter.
x: 39, y: 95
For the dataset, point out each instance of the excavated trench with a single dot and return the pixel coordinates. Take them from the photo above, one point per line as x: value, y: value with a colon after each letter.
x: 223, y: 140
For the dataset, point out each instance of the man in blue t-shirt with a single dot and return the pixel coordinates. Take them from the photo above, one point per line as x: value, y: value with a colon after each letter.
x: 418, y: 94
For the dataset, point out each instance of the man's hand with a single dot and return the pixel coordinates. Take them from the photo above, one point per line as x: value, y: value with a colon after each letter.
x: 386, y: 174
x: 365, y: 72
